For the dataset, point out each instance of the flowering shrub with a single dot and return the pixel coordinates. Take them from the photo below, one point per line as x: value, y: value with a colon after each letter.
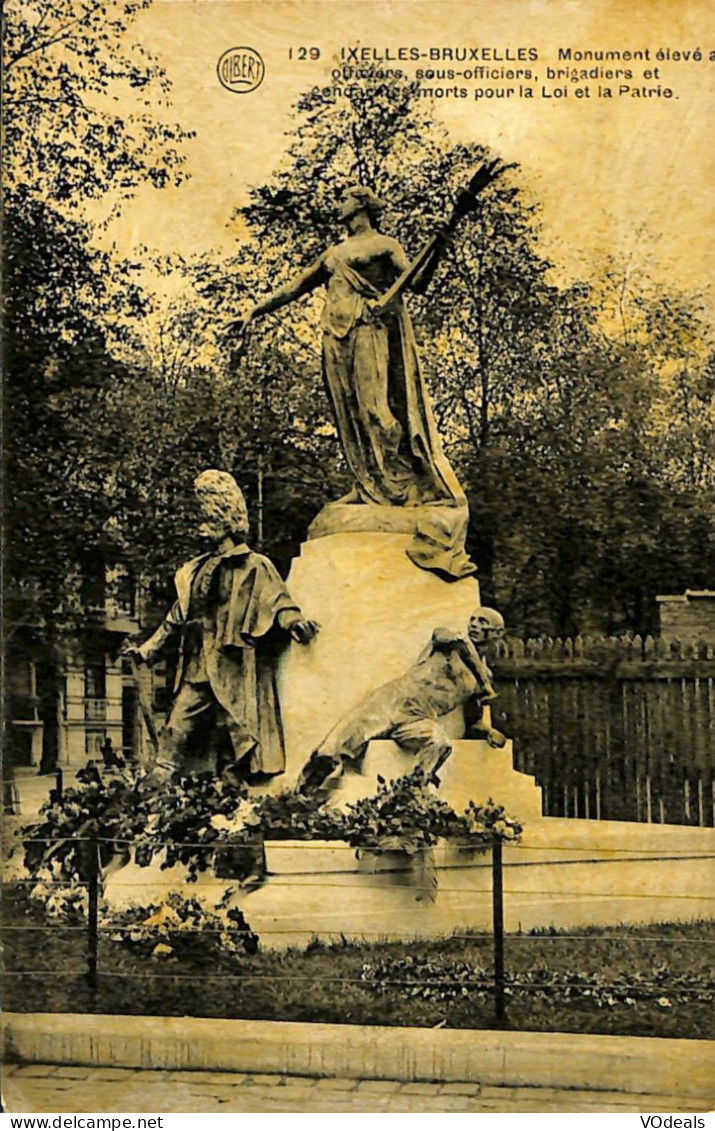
x: 426, y: 978
x: 483, y: 822
x: 181, y: 928
x: 202, y: 821
x: 59, y: 897
x: 291, y: 816
x: 404, y: 815
x: 183, y: 820
x: 190, y: 818
x: 111, y: 807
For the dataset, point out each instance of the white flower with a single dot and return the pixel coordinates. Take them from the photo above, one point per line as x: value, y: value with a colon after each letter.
x: 222, y: 824
x: 247, y: 813
x: 664, y: 1003
x: 161, y: 950
x: 244, y: 816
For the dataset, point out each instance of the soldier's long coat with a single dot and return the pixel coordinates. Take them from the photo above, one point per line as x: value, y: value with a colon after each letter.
x: 239, y: 664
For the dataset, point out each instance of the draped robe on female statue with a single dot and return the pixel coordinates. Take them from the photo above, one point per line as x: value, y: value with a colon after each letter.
x: 374, y: 379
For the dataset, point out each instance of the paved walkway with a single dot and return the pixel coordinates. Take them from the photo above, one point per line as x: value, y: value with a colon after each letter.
x: 52, y: 1088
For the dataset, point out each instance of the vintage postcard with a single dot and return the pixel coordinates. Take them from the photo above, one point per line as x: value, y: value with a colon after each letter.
x: 359, y: 603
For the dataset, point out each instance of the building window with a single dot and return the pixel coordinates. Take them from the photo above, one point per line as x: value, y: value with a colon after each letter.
x: 93, y: 740
x: 129, y: 720
x: 125, y: 592
x: 95, y: 680
x: 95, y: 691
x: 94, y: 584
x: 21, y: 691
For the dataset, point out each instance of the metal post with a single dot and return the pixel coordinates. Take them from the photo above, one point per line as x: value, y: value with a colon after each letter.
x: 92, y: 918
x: 58, y: 785
x: 498, y: 928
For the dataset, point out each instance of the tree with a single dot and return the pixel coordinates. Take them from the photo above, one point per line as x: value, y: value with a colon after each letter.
x: 57, y: 369
x: 68, y: 66
x: 373, y: 134
x: 598, y: 507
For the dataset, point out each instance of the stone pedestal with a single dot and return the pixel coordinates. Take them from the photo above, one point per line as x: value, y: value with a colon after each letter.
x: 376, y: 612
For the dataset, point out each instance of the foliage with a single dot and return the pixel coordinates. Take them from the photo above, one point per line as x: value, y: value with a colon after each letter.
x: 59, y: 378
x: 182, y: 929
x: 109, y: 808
x: 483, y: 822
x: 602, y: 519
x: 406, y: 815
x: 441, y: 978
x: 81, y: 101
x: 188, y: 818
x: 200, y: 821
x: 426, y: 977
x: 292, y: 816
x: 183, y: 821
x: 58, y: 895
x: 326, y: 983
x: 579, y: 417
x: 82, y: 122
x: 71, y: 309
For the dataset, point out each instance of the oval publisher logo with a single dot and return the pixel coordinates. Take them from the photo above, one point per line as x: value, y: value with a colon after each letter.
x: 240, y: 70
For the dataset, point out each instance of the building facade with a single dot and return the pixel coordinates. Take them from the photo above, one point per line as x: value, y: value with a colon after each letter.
x: 61, y: 709
x: 688, y: 616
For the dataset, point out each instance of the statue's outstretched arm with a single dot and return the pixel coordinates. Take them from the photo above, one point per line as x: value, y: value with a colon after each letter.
x: 300, y: 285
x: 148, y: 651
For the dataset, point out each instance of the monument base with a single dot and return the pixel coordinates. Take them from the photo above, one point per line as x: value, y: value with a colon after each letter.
x: 564, y: 874
x: 359, y: 518
x: 376, y: 611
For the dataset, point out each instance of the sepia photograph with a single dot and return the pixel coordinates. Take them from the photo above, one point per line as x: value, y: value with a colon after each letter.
x: 358, y: 604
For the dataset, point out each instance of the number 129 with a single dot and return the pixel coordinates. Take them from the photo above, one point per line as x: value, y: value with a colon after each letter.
x: 303, y: 53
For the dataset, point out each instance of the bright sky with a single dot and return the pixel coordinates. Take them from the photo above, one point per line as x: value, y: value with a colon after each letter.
x: 604, y: 171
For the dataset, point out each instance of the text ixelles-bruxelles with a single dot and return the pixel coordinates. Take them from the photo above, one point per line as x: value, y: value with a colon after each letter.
x: 464, y: 54
x: 446, y: 64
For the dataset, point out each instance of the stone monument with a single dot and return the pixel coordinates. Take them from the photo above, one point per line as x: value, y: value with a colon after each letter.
x: 387, y: 564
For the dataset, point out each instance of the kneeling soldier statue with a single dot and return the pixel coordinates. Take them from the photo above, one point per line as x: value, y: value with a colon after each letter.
x: 450, y: 673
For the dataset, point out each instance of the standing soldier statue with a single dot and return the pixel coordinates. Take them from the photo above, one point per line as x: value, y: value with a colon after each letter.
x: 231, y: 609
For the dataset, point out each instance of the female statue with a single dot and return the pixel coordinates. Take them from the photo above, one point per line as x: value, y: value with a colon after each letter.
x: 375, y: 383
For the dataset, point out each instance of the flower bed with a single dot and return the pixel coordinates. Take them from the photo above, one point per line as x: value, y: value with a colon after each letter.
x: 651, y: 981
x: 202, y: 822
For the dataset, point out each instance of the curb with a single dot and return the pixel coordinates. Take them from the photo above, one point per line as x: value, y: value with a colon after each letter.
x: 560, y: 1060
